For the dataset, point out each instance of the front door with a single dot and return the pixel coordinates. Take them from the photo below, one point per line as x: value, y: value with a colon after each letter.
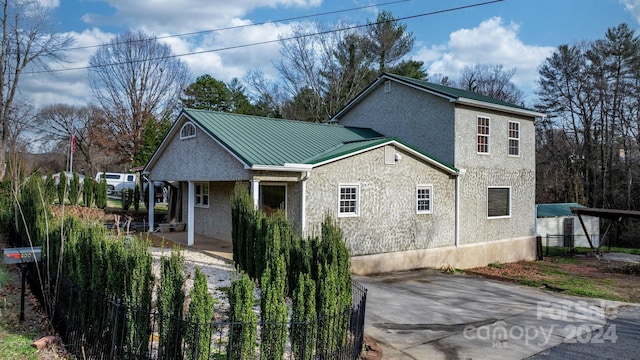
x: 273, y: 198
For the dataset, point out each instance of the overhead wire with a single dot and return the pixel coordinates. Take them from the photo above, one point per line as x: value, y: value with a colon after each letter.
x: 352, y: 27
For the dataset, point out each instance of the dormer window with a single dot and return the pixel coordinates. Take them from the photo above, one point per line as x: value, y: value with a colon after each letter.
x: 187, y: 131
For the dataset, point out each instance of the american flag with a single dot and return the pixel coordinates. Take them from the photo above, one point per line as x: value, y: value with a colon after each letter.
x: 73, y: 140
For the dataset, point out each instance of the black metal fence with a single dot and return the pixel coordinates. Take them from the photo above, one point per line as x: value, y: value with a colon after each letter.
x: 96, y: 326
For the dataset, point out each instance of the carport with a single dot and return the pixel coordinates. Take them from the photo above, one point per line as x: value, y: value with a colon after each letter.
x: 614, y: 216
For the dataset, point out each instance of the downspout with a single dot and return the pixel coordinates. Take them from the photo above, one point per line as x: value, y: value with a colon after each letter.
x: 303, y: 205
x: 460, y: 173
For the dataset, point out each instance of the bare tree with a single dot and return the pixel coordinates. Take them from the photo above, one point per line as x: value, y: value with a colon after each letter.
x: 27, y: 40
x: 492, y: 81
x: 86, y: 122
x: 135, y: 79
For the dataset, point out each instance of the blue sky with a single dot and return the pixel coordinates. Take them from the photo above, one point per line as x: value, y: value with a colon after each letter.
x: 518, y: 34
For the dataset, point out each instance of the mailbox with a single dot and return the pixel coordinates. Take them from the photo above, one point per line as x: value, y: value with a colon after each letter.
x: 22, y: 255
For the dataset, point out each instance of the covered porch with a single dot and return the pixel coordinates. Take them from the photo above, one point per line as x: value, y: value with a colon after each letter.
x: 215, y: 247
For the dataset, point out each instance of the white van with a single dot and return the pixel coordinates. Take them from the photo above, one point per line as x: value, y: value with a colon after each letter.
x: 116, y: 182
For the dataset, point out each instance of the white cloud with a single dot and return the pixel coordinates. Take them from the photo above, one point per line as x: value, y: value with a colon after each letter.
x: 633, y: 7
x: 491, y: 42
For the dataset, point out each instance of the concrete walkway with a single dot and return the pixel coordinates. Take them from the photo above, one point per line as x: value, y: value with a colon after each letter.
x: 428, y: 314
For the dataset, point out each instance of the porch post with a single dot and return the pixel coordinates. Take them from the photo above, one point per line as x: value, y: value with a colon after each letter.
x: 190, y: 213
x: 151, y: 204
x: 255, y: 193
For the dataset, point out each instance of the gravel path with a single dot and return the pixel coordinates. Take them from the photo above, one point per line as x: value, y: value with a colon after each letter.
x: 219, y: 275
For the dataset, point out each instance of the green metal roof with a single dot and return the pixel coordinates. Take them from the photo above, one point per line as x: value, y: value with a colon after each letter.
x: 554, y: 210
x: 268, y: 141
x: 453, y: 92
x: 276, y: 142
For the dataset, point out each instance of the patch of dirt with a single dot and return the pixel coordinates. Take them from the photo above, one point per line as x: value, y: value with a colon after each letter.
x: 616, y: 278
x: 81, y: 212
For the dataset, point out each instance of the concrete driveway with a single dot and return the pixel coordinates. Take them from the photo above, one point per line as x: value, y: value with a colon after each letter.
x: 428, y: 314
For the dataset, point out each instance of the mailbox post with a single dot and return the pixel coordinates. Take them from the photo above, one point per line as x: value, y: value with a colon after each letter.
x: 22, y: 256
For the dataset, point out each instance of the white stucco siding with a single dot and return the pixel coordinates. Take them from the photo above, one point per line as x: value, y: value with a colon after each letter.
x: 387, y: 221
x: 422, y: 120
x: 496, y: 169
x: 197, y: 159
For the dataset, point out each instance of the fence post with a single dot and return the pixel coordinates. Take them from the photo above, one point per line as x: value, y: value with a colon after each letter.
x: 114, y: 330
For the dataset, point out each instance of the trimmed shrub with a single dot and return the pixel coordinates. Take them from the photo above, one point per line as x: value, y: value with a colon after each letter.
x: 101, y: 194
x: 74, y: 189
x: 242, y: 332
x: 50, y: 191
x: 136, y: 198
x: 200, y: 313
x: 62, y: 187
x: 88, y: 192
x: 170, y: 304
x: 304, y: 319
x: 127, y: 198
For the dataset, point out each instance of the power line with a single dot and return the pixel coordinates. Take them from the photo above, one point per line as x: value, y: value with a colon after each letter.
x: 333, y: 12
x: 272, y: 41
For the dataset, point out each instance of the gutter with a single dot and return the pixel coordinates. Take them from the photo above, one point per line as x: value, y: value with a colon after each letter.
x: 286, y: 167
x: 457, y: 226
x: 503, y: 108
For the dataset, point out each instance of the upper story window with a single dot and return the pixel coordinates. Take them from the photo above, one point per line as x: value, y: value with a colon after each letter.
x: 202, y: 195
x: 187, y: 131
x: 348, y: 200
x: 514, y: 138
x: 424, y: 199
x: 483, y: 135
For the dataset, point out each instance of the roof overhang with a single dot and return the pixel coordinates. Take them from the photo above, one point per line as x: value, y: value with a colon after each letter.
x: 287, y: 167
x: 502, y: 108
x: 417, y: 154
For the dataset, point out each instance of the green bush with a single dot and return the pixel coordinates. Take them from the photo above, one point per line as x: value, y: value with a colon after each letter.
x: 242, y: 332
x: 127, y: 198
x: 50, y: 190
x: 200, y: 313
x: 304, y: 319
x: 74, y: 189
x: 136, y: 198
x: 62, y: 187
x: 88, y: 192
x: 170, y: 304
x: 101, y: 194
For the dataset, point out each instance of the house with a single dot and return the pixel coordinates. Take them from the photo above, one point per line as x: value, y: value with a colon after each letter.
x: 558, y: 225
x: 381, y: 190
x: 416, y: 174
x: 490, y: 142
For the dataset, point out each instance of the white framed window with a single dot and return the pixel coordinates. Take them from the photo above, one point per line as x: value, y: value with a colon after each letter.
x: 187, y: 131
x: 348, y: 200
x: 514, y: 138
x: 202, y: 195
x: 499, y: 202
x: 424, y: 199
x: 483, y: 134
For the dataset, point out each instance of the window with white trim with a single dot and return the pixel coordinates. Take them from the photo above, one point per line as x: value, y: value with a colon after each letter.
x: 202, y: 195
x: 498, y: 202
x: 514, y: 138
x: 424, y: 199
x: 187, y: 131
x: 348, y: 200
x: 483, y: 134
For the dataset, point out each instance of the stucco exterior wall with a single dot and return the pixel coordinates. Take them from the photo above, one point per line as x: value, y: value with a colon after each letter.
x: 388, y: 220
x: 411, y: 115
x: 494, y: 169
x: 215, y: 220
x: 196, y: 159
